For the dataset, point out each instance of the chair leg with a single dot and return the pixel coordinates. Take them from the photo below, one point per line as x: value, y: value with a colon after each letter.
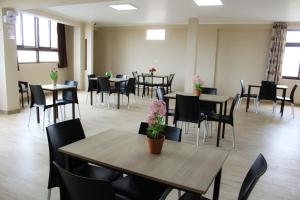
x: 78, y: 111
x: 205, y: 133
x: 233, y: 137
x: 49, y: 194
x: 29, y: 117
x: 48, y: 111
x: 274, y: 107
x: 198, y: 132
x: 61, y: 112
x: 128, y: 102
x: 293, y: 110
x: 22, y: 99
x: 27, y: 97
x: 65, y: 113
x: 257, y: 105
x: 44, y: 121
x: 179, y: 193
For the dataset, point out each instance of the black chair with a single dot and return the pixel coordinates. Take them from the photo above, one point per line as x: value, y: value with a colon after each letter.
x: 122, y: 84
x: 38, y: 100
x: 227, y: 119
x: 168, y: 85
x: 243, y: 94
x: 92, y: 85
x: 258, y: 168
x: 187, y: 109
x: 289, y: 99
x: 160, y: 93
x: 105, y: 88
x: 64, y: 133
x: 68, y: 98
x: 23, y: 88
x: 146, y: 83
x: 137, y: 81
x: 129, y: 89
x: 267, y: 92
x: 140, y: 188
x: 74, y: 187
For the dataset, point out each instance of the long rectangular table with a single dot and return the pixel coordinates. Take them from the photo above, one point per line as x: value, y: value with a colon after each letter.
x: 114, y: 80
x: 279, y: 87
x: 55, y: 89
x: 180, y: 165
x: 218, y: 99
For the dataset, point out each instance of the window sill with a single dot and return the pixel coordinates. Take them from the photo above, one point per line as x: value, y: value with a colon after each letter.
x: 290, y: 78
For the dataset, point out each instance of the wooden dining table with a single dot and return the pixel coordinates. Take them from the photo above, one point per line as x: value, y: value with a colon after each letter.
x: 152, y: 76
x: 55, y: 89
x: 118, y: 82
x: 180, y: 165
x: 278, y: 87
x: 218, y: 99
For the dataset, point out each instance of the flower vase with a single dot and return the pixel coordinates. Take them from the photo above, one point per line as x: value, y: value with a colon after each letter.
x: 197, y: 92
x: 155, y: 145
x: 54, y: 82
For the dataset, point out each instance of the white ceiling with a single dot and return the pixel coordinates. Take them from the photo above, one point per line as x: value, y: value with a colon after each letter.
x: 178, y: 12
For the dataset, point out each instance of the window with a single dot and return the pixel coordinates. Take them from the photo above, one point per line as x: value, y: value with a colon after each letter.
x: 291, y: 60
x: 156, y: 34
x: 36, y: 39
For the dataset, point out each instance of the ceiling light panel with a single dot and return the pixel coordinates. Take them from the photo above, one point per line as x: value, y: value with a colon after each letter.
x: 209, y: 2
x: 123, y: 7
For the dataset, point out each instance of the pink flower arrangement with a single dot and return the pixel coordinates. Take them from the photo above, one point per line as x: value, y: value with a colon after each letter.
x: 152, y: 70
x: 198, y: 82
x: 156, y: 118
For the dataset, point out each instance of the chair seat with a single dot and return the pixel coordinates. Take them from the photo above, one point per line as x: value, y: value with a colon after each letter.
x: 202, y: 117
x: 63, y: 101
x: 280, y: 98
x: 251, y: 95
x: 192, y: 196
x: 139, y: 188
x: 216, y: 117
x: 96, y: 172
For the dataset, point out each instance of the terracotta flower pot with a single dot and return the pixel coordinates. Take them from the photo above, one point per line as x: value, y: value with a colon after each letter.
x: 155, y: 145
x: 197, y: 92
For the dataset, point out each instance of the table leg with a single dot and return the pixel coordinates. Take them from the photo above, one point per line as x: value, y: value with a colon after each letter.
x: 248, y: 97
x: 73, y: 104
x: 167, y: 107
x: 38, y: 115
x: 54, y: 95
x: 91, y: 97
x: 219, y: 124
x: 282, y: 102
x: 101, y: 97
x: 217, y: 185
x: 225, y: 112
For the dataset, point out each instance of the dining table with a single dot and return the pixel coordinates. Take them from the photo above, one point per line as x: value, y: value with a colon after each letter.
x: 118, y: 82
x: 221, y: 100
x: 55, y: 89
x: 181, y: 165
x: 278, y: 87
x: 152, y: 76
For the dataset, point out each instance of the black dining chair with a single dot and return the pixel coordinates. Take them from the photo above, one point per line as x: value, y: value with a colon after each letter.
x: 267, y: 92
x: 129, y: 89
x: 187, y: 109
x: 227, y: 119
x: 104, y: 87
x: 139, y: 188
x: 122, y: 84
x: 168, y: 85
x: 23, y: 88
x: 68, y: 98
x: 146, y: 84
x: 75, y: 187
x: 258, y: 168
x: 64, y: 133
x: 289, y: 99
x: 92, y: 85
x: 244, y: 94
x: 160, y: 93
x: 38, y: 100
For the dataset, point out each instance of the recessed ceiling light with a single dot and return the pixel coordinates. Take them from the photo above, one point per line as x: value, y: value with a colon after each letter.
x: 208, y: 2
x: 123, y: 7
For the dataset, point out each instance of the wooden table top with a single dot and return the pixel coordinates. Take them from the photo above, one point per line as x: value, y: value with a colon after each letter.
x: 180, y: 165
x: 154, y: 75
x: 278, y: 86
x: 202, y: 97
x: 51, y: 87
x: 113, y: 79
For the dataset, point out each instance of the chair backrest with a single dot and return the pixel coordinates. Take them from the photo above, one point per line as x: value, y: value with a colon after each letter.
x: 258, y: 168
x: 146, y: 78
x: 92, y: 83
x: 293, y: 93
x: 22, y: 85
x: 267, y: 91
x: 135, y: 74
x: 61, y: 134
x: 103, y: 84
x: 170, y: 79
x: 130, y: 86
x: 207, y: 90
x: 37, y: 95
x: 160, y: 93
x: 74, y: 187
x: 242, y: 87
x: 233, y: 104
x: 171, y: 133
x: 67, y: 94
x: 187, y: 108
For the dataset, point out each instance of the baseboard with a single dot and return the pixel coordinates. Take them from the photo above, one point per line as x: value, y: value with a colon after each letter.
x: 9, y: 112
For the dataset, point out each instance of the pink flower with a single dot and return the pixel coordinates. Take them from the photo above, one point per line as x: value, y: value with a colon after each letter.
x: 151, y: 119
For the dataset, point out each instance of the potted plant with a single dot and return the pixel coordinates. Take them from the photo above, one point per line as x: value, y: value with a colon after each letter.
x: 198, y: 84
x: 108, y: 74
x: 155, y: 131
x: 152, y: 70
x: 54, y: 76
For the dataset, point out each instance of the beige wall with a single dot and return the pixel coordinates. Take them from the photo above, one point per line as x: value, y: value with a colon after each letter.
x: 38, y: 73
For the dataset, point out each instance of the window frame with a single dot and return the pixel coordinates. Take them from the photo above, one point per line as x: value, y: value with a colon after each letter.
x: 37, y: 48
x: 292, y: 44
